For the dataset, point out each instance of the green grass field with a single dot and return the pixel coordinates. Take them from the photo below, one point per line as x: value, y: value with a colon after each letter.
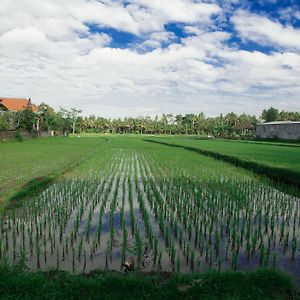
x: 278, y: 161
x: 129, y: 204
x: 271, y: 154
x: 23, y: 162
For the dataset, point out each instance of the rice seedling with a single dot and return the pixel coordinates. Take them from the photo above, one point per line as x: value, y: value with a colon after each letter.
x: 142, y: 200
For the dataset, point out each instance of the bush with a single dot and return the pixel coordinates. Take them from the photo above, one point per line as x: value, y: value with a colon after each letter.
x: 3, y: 124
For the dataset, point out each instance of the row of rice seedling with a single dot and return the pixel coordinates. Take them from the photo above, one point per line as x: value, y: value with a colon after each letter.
x: 153, y: 229
x: 174, y: 234
x: 234, y: 219
x: 50, y: 223
x: 146, y: 213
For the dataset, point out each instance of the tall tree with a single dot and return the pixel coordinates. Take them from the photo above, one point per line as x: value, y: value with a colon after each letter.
x: 270, y: 114
x: 74, y: 115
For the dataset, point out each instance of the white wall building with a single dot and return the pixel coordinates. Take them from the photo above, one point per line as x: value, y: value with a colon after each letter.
x: 285, y: 130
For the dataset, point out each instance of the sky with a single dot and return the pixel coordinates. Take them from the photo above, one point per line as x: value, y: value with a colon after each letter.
x: 117, y: 58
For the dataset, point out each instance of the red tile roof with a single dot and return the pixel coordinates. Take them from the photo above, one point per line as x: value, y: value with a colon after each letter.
x: 17, y: 104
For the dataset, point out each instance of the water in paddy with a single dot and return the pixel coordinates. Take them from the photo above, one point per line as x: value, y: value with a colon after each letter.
x: 141, y: 217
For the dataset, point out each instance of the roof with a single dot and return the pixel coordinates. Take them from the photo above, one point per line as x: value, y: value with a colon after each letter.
x: 280, y: 123
x: 18, y: 104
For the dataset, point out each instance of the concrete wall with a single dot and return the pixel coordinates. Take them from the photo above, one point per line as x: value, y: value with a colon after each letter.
x: 4, y: 135
x: 279, y: 131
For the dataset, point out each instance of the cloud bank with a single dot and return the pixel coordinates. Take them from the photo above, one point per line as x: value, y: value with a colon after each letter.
x: 182, y: 56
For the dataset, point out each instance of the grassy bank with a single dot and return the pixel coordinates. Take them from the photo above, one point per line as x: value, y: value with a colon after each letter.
x: 261, y: 284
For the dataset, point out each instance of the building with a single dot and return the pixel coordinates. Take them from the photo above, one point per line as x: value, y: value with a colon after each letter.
x: 285, y: 130
x: 246, y: 129
x: 16, y: 104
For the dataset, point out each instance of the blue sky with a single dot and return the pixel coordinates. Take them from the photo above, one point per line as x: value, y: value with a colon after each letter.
x: 147, y: 57
x: 278, y: 11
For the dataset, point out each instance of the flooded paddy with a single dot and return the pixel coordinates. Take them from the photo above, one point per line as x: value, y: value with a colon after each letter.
x: 141, y: 215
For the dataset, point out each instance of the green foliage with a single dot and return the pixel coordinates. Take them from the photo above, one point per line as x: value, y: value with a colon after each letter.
x: 4, y: 124
x: 260, y: 285
x: 230, y: 125
x: 27, y: 119
x: 270, y: 114
x: 49, y: 119
x: 288, y: 116
x: 273, y: 114
x: 9, y: 120
x: 46, y: 118
x: 69, y: 119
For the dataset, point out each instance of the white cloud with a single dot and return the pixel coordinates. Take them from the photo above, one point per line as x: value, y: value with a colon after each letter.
x: 156, y: 39
x: 181, y: 10
x: 141, y: 16
x: 255, y: 69
x: 23, y: 39
x: 114, y: 15
x: 262, y: 30
x: 48, y: 53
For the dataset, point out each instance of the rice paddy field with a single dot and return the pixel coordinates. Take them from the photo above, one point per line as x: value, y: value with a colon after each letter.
x: 25, y: 161
x: 267, y: 153
x: 133, y: 204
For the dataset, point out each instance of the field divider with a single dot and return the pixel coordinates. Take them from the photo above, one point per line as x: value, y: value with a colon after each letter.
x: 279, y: 175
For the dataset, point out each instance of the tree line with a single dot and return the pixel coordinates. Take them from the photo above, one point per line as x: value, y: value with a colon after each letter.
x: 45, y: 119
x: 229, y: 125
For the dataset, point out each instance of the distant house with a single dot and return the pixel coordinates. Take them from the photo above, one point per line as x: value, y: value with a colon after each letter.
x: 285, y: 130
x: 17, y: 104
x: 245, y: 129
